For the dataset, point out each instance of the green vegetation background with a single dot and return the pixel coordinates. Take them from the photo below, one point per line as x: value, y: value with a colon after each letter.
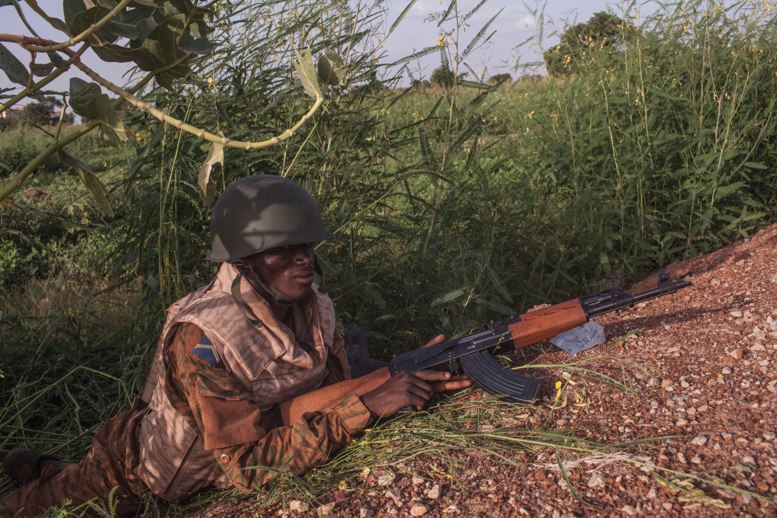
x: 451, y: 204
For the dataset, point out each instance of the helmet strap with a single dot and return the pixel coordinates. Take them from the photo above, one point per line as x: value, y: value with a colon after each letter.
x: 238, y: 298
x: 320, y: 272
x: 255, y: 280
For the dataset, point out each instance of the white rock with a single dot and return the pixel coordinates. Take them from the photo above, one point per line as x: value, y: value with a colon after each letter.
x: 434, y: 493
x: 736, y: 313
x: 772, y: 387
x: 366, y: 513
x: 629, y: 510
x: 385, y: 480
x: 726, y: 370
x: 395, y: 496
x: 417, y: 480
x: 596, y: 480
x: 298, y: 506
x: 652, y: 493
x: 758, y: 333
x: 418, y: 510
x: 699, y: 440
x: 451, y: 509
x: 747, y: 459
x: 326, y: 509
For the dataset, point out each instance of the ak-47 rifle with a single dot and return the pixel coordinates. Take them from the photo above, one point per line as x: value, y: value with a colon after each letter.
x: 472, y: 353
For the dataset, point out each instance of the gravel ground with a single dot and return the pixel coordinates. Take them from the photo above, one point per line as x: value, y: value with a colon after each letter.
x: 700, y: 364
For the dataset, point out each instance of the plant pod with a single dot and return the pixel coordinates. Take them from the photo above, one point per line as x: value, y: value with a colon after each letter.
x: 331, y: 69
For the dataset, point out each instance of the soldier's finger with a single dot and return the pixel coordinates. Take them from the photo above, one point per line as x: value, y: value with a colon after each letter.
x: 433, y: 375
x: 445, y: 386
x: 434, y: 341
x: 421, y: 388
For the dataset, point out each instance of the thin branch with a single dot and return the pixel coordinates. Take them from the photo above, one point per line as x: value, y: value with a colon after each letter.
x: 20, y: 12
x: 27, y: 42
x: 80, y: 37
x: 43, y: 82
x: 75, y: 58
x: 52, y: 148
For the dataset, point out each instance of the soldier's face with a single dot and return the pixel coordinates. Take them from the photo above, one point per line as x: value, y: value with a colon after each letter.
x: 288, y: 269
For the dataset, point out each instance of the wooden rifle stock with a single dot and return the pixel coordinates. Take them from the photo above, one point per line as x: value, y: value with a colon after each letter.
x: 544, y: 323
x: 327, y: 397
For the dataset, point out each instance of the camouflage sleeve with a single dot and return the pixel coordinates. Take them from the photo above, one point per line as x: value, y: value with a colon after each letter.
x: 250, y: 447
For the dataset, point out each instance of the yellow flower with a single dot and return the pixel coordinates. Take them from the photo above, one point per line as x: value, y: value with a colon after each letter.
x: 559, y: 384
x: 441, y: 40
x: 342, y: 486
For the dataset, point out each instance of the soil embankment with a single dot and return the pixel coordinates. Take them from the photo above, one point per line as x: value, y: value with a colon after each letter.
x: 700, y: 368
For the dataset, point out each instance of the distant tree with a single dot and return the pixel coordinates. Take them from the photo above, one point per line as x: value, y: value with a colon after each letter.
x: 442, y: 76
x: 532, y: 78
x: 498, y: 79
x: 604, y: 32
x: 43, y: 113
x: 420, y: 83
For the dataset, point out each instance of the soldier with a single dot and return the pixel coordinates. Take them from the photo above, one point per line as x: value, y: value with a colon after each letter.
x: 260, y: 333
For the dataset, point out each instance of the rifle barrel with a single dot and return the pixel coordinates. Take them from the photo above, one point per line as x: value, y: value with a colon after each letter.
x: 617, y: 299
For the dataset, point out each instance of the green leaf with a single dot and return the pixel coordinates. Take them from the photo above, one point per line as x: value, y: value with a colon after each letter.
x: 12, y: 67
x: 124, y: 30
x: 207, y: 186
x: 449, y: 297
x: 755, y: 165
x: 71, y: 9
x: 307, y: 74
x: 401, y: 17
x: 480, y: 34
x: 118, y: 54
x: 41, y: 69
x: 473, y: 11
x: 87, y: 100
x: 331, y: 69
x: 447, y: 13
x: 95, y: 186
x: 85, y: 19
x: 415, y: 55
x: 55, y: 22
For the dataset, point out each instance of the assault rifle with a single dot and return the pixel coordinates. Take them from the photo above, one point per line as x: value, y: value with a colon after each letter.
x: 473, y: 354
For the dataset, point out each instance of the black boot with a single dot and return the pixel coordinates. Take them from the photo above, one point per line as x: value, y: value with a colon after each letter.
x: 23, y: 466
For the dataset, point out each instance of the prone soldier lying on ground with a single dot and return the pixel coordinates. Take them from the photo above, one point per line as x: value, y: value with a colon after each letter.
x: 259, y: 334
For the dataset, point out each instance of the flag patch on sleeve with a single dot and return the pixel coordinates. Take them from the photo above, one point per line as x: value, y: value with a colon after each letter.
x: 205, y: 350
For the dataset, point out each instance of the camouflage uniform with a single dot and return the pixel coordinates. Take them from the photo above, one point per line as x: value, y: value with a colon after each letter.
x: 249, y: 445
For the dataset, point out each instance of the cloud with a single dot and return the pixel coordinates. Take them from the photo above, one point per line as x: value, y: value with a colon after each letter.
x: 528, y: 21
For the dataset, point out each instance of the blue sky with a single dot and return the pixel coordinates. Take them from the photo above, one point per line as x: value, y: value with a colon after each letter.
x: 515, y: 24
x: 518, y: 22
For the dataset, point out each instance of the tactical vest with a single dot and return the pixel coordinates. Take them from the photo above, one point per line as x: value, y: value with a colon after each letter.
x: 266, y: 359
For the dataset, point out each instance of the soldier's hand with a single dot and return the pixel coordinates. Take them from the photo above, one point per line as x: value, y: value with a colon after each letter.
x: 456, y: 382
x: 410, y: 389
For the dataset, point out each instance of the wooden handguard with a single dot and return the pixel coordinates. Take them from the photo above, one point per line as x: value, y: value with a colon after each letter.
x: 327, y: 397
x: 546, y: 322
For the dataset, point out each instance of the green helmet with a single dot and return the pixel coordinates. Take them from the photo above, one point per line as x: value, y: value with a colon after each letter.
x: 257, y: 213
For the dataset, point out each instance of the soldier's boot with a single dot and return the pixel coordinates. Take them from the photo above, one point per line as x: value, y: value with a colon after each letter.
x: 23, y: 466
